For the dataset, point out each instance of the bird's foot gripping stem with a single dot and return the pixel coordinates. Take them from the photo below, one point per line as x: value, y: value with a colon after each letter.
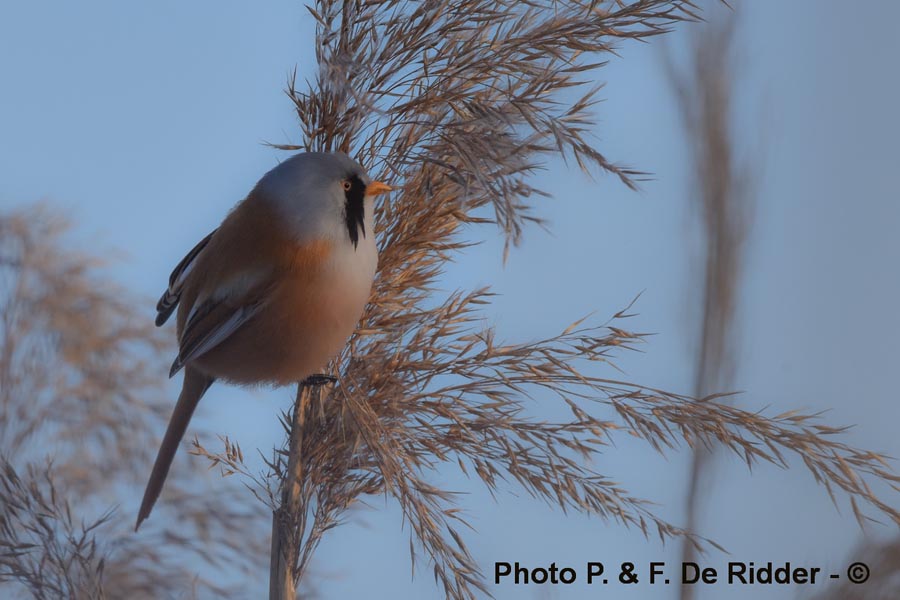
x: 319, y: 379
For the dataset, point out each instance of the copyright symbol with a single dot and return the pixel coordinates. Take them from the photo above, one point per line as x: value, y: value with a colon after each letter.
x: 858, y: 572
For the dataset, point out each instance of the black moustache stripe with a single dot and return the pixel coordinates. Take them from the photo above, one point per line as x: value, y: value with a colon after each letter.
x: 354, y: 209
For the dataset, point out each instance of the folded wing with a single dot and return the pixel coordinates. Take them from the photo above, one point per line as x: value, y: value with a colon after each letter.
x: 213, y: 320
x: 170, y: 298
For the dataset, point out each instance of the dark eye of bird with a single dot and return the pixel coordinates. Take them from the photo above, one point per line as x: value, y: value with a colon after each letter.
x: 354, y: 207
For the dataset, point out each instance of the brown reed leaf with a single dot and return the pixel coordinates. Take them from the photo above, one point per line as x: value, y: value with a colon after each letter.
x: 722, y: 197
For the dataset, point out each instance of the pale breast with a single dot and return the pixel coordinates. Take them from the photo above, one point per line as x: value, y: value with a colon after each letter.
x: 322, y: 311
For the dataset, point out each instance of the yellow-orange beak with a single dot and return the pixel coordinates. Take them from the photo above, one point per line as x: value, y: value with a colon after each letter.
x: 376, y: 187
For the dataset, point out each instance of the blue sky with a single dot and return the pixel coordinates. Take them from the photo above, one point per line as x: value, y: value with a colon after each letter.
x: 144, y: 121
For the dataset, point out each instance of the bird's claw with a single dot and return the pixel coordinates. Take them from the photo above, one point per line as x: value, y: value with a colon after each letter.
x: 319, y: 379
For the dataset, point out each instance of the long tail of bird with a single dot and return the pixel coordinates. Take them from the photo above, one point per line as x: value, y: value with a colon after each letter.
x: 195, y: 385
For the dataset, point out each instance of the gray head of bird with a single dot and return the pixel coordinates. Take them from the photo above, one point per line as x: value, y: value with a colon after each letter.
x: 323, y: 193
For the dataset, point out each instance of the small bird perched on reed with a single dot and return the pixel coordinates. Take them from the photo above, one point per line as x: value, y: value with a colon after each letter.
x: 272, y: 294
